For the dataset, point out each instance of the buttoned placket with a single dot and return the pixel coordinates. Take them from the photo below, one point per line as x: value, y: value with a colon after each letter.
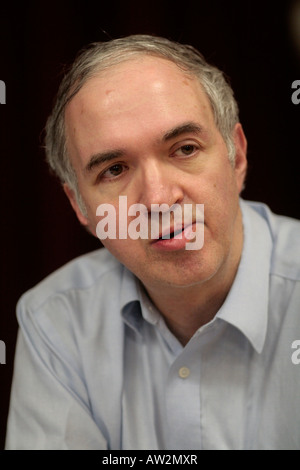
x: 183, y: 399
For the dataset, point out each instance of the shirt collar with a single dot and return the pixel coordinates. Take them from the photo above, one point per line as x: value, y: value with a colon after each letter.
x: 246, y: 305
x: 130, y: 300
x: 135, y: 303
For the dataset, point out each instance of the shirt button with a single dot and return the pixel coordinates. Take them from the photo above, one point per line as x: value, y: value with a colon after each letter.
x: 184, y: 372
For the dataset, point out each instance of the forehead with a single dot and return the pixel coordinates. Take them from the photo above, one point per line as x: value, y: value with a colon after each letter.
x: 139, y: 98
x: 141, y: 77
x: 141, y: 66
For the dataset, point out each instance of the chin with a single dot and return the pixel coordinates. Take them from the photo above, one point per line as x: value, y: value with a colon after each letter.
x: 177, y: 277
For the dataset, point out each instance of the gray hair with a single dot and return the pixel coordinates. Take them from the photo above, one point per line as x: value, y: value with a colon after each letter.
x: 102, y: 55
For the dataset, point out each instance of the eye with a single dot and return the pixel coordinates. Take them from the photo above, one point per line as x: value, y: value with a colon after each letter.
x: 113, y: 171
x: 186, y: 150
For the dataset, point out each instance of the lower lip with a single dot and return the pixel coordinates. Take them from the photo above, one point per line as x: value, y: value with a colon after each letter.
x: 176, y: 243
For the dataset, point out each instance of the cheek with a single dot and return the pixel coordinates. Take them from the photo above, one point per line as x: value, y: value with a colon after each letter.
x: 127, y: 251
x: 219, y: 194
x: 102, y: 215
x: 221, y: 183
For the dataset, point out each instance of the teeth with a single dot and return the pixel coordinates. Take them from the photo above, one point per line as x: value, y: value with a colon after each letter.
x: 177, y: 232
x: 171, y: 235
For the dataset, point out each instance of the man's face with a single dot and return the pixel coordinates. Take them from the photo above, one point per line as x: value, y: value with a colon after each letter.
x: 145, y: 130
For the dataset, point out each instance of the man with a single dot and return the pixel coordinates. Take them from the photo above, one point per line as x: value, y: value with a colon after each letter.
x: 147, y: 344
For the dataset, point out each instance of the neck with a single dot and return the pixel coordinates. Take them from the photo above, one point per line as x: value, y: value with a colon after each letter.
x: 185, y: 310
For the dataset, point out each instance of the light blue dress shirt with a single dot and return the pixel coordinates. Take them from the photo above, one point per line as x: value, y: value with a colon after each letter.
x: 97, y: 368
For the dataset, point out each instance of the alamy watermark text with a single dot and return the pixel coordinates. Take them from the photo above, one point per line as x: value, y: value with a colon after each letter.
x: 296, y: 354
x: 162, y: 222
x: 2, y: 92
x: 296, y: 94
x: 2, y: 353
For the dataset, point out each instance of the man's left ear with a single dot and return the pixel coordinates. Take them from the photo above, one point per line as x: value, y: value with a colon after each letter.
x: 240, y: 165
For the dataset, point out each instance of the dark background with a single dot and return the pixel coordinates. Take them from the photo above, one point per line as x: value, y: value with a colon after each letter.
x: 251, y: 41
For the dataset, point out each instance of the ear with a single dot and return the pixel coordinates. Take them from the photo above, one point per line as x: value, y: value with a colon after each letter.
x: 72, y: 198
x: 240, y: 165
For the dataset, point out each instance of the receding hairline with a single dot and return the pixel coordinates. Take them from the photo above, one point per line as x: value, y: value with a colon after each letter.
x: 101, y: 71
x: 106, y: 64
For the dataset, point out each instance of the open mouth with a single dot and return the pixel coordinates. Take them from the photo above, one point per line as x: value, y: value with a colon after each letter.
x: 173, y: 234
x: 169, y: 235
x: 189, y: 237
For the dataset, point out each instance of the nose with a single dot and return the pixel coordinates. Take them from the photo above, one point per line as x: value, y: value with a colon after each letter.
x: 160, y: 184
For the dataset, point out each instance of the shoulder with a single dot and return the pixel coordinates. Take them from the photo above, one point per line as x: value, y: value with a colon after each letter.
x: 80, y: 277
x: 285, y: 236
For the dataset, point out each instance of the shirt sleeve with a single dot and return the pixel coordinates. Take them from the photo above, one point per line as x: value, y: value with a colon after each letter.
x: 45, y: 413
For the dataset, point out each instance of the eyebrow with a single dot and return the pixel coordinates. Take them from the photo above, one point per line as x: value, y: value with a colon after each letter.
x: 110, y: 155
x: 187, y: 127
x: 100, y: 158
